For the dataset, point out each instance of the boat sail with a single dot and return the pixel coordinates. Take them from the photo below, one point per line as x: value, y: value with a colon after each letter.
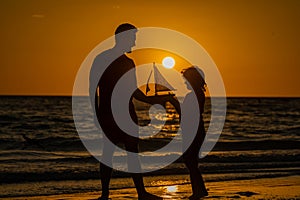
x: 161, y: 85
x: 163, y: 88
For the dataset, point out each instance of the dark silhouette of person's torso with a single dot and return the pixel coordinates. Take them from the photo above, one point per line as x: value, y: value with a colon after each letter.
x: 106, y: 85
x: 108, y: 81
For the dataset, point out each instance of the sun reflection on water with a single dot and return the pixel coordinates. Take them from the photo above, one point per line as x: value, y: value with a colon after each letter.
x: 172, y: 188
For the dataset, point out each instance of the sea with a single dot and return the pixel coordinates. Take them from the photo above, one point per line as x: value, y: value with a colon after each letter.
x: 41, y: 152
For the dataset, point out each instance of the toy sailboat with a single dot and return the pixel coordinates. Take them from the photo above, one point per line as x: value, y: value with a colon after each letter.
x: 161, y: 87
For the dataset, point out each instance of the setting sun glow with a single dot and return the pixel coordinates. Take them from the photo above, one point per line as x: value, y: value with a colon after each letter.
x: 168, y: 62
x: 255, y: 44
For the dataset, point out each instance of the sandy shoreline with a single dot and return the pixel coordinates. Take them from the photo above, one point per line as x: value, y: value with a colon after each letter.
x: 264, y: 188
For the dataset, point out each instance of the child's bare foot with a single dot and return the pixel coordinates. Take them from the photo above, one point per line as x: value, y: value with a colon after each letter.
x: 198, y: 196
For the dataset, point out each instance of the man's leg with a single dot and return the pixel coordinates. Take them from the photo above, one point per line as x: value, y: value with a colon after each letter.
x: 105, y: 166
x: 134, y: 165
x: 105, y: 175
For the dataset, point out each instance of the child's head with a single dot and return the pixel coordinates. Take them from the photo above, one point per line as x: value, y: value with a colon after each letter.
x: 195, y: 76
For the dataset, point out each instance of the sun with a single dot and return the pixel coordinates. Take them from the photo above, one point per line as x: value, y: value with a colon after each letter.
x: 168, y: 62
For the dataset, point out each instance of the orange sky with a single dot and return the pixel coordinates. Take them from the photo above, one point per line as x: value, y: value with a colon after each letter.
x: 254, y: 43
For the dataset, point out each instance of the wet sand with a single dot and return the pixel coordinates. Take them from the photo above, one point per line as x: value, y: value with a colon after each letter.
x: 263, y: 188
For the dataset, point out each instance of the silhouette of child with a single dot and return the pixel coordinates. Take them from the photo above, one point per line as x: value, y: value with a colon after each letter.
x: 196, y: 83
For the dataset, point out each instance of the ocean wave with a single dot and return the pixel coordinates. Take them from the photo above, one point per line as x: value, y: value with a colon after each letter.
x: 18, y: 166
x: 92, y: 172
x: 257, y: 145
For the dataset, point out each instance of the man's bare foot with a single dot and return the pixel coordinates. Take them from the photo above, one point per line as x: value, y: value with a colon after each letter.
x: 103, y: 198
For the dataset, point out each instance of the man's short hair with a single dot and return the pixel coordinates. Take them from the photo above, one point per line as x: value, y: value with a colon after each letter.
x: 124, y: 27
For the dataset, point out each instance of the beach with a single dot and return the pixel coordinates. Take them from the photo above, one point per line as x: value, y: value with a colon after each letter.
x: 262, y: 188
x: 256, y: 157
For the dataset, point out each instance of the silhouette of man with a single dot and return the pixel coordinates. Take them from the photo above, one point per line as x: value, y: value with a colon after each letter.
x: 101, y: 94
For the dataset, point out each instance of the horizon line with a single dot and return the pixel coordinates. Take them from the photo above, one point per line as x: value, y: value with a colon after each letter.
x: 67, y: 95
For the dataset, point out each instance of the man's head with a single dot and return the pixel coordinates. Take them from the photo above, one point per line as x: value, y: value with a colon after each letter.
x: 125, y: 36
